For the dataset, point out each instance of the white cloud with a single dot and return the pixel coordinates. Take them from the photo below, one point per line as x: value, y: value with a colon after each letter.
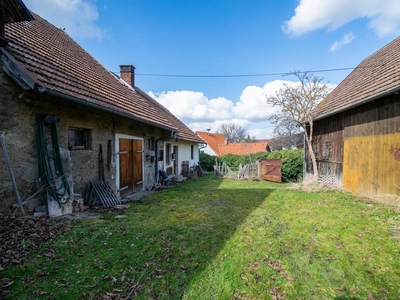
x: 253, y: 101
x: 310, y: 15
x: 200, y: 113
x: 213, y: 126
x: 346, y: 39
x: 194, y: 105
x: 78, y: 17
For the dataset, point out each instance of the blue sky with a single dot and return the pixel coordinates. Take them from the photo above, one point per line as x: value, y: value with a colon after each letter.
x: 225, y: 37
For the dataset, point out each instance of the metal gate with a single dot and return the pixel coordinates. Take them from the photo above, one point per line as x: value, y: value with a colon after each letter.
x: 271, y: 169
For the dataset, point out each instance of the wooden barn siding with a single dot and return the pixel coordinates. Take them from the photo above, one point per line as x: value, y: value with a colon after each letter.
x: 328, y: 143
x: 371, y: 160
x: 366, y: 140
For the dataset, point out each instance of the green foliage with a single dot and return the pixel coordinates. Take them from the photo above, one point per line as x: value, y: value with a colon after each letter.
x: 292, y: 163
x: 207, y: 161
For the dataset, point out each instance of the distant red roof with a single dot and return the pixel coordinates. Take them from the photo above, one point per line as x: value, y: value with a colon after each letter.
x: 216, y: 142
x: 242, y: 148
x: 213, y: 140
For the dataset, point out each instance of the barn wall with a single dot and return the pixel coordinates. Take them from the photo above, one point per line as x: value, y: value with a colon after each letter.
x: 372, y: 150
x: 328, y: 147
x: 364, y: 151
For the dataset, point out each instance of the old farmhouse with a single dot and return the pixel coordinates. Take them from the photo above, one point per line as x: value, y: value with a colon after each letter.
x: 58, y: 103
x: 357, y: 129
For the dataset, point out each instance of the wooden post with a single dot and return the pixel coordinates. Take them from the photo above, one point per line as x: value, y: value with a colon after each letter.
x: 14, y: 184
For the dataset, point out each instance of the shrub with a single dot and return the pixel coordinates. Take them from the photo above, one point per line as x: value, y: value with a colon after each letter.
x: 292, y: 163
x: 207, y: 161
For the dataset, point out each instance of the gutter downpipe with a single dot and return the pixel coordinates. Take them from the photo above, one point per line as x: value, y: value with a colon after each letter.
x: 172, y: 137
x: 47, y: 91
x: 202, y: 147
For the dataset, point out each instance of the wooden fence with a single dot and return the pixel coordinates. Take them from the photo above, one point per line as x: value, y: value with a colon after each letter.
x: 252, y: 170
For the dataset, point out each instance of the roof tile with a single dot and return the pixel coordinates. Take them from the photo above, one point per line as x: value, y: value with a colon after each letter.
x: 374, y: 76
x: 57, y: 62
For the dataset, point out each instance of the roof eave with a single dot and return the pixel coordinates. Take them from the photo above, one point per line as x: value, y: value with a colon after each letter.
x: 373, y: 98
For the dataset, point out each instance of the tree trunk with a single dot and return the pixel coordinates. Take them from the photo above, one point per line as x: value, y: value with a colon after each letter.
x: 311, y: 151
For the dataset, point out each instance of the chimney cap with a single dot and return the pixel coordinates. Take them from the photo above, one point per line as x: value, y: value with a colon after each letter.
x: 127, y: 68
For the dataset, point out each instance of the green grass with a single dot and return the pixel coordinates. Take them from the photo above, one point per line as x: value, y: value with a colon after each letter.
x: 223, y: 239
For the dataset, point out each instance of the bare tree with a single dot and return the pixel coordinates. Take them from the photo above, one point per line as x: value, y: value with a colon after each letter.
x: 235, y: 133
x: 295, y: 105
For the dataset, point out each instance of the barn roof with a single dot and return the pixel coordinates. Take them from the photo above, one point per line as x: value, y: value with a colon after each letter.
x: 56, y: 63
x: 376, y: 76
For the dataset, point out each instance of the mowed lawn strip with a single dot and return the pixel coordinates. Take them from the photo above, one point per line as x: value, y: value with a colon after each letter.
x: 222, y: 239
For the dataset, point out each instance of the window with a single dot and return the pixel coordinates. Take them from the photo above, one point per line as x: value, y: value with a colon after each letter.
x: 150, y: 143
x: 191, y: 152
x: 326, y: 150
x: 79, y: 139
x: 316, y: 150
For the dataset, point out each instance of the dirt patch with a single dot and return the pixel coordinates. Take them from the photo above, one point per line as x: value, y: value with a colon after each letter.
x: 308, y: 186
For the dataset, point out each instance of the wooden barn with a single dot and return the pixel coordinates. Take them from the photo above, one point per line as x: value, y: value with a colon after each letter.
x: 357, y: 129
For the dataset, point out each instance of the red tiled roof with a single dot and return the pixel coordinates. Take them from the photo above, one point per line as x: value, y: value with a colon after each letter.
x: 57, y: 62
x: 216, y: 142
x: 212, y: 140
x: 242, y: 148
x: 374, y: 77
x: 184, y: 133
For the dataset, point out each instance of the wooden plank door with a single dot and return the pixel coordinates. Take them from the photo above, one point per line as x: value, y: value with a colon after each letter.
x: 125, y: 166
x: 130, y: 165
x: 271, y: 169
x: 137, y: 163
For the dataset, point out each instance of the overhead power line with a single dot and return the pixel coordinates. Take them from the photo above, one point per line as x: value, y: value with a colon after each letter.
x: 248, y: 75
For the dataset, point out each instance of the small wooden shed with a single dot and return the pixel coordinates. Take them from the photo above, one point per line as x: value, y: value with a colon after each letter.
x: 357, y: 129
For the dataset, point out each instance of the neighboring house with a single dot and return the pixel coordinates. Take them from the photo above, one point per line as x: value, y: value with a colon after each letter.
x: 46, y: 73
x: 294, y: 141
x: 218, y: 145
x: 243, y: 148
x: 357, y: 129
x: 213, y: 140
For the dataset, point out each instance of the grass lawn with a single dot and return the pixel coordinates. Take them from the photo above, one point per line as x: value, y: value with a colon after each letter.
x: 222, y: 239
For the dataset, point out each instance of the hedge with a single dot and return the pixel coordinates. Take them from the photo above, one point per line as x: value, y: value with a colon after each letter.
x: 292, y: 161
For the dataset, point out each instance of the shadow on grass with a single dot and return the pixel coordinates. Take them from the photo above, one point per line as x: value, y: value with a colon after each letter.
x: 188, y: 229
x: 154, y: 252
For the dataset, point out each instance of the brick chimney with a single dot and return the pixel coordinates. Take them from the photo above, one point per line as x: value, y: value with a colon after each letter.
x: 128, y: 74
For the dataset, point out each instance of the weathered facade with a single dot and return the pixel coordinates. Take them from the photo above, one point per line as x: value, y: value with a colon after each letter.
x: 357, y: 129
x: 106, y: 129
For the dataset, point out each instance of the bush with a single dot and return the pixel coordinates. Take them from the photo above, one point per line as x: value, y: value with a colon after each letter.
x: 292, y: 163
x: 207, y: 161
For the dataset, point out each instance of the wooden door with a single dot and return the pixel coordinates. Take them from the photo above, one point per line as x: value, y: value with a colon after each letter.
x: 130, y: 165
x: 271, y: 169
x: 125, y: 166
x: 137, y: 163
